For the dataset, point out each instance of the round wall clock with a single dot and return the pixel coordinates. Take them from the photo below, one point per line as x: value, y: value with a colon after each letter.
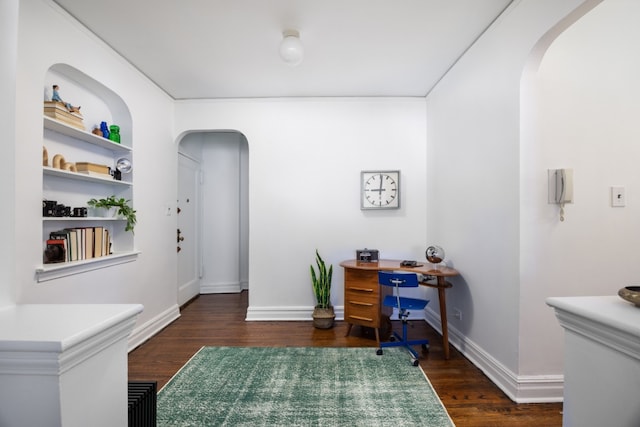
x: 379, y: 189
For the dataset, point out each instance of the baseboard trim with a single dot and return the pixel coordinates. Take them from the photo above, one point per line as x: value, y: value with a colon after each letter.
x: 300, y: 313
x: 221, y: 288
x: 150, y: 328
x: 519, y: 388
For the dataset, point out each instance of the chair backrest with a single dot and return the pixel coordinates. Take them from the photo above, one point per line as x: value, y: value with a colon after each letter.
x: 398, y: 280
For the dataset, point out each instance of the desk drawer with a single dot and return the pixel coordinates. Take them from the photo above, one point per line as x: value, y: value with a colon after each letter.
x: 361, y: 290
x: 362, y: 313
x: 361, y: 276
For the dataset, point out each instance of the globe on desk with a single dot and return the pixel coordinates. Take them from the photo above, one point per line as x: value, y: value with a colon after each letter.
x: 435, y: 254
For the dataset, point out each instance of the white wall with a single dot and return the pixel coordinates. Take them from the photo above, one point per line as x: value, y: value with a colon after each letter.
x: 305, y: 158
x: 585, y: 114
x: 8, y: 47
x: 473, y: 118
x: 151, y: 279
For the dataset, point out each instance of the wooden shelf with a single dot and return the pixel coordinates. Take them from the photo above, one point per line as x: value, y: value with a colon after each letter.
x: 54, y: 271
x: 85, y: 136
x: 47, y: 170
x: 82, y: 218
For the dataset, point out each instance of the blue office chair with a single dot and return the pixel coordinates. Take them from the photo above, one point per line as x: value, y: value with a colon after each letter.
x: 403, y: 305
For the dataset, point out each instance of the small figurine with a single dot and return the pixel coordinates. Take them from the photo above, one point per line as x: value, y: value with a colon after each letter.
x: 56, y: 97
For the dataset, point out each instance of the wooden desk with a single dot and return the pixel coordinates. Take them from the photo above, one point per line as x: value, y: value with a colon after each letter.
x: 363, y: 295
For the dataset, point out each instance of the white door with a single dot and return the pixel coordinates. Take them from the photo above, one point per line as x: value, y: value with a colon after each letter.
x: 188, y: 245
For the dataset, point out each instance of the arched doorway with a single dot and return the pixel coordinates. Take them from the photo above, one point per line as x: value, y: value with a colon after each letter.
x: 214, y: 216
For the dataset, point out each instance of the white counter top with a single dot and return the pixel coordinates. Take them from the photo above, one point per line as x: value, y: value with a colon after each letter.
x: 57, y: 327
x: 602, y: 360
x: 609, y: 320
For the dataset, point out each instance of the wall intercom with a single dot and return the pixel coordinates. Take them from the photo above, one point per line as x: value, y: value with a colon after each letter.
x: 560, y: 186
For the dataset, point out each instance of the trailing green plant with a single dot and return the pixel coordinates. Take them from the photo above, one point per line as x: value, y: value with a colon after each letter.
x: 122, y: 204
x: 322, y: 282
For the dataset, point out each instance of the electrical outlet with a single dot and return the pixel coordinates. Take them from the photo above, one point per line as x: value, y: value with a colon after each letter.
x: 457, y: 313
x: 617, y: 197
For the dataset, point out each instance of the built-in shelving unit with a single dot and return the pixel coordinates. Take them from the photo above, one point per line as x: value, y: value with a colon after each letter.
x: 74, y: 189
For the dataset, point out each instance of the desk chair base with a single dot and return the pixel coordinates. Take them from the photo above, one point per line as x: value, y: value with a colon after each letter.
x: 403, y: 305
x: 403, y: 341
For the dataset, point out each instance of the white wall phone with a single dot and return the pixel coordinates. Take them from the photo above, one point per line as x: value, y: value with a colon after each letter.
x: 560, y: 188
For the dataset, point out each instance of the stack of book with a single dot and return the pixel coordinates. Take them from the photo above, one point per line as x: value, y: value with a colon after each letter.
x: 93, y: 169
x: 56, y: 110
x: 80, y: 243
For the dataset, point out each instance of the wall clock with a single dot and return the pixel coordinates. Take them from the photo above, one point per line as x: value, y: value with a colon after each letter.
x: 379, y: 189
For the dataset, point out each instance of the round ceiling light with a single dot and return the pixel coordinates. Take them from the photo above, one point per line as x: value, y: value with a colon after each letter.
x: 291, y: 49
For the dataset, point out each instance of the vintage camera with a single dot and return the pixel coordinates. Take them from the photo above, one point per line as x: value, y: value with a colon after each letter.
x: 48, y: 207
x: 61, y: 210
x: 79, y: 212
x: 116, y: 174
x: 367, y: 255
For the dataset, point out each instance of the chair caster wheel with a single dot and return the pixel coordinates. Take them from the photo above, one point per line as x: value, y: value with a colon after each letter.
x: 415, y: 362
x: 379, y: 352
x: 392, y: 338
x: 425, y: 347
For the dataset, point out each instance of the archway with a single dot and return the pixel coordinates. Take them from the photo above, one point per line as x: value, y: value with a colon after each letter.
x: 217, y: 162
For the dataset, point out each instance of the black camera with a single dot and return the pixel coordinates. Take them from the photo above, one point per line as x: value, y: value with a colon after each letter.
x: 79, y: 212
x: 48, y: 207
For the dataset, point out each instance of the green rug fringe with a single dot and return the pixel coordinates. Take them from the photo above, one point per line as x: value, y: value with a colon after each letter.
x: 300, y: 386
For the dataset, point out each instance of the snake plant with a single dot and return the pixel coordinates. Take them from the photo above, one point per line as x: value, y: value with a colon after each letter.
x: 322, y: 282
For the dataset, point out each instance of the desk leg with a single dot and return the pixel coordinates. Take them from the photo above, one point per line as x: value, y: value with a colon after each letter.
x: 443, y: 316
x: 349, y: 329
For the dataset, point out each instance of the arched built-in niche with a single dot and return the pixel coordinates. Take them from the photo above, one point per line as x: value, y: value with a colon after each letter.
x: 65, y: 184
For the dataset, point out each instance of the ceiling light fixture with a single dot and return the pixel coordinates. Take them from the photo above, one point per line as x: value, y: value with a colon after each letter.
x: 291, y: 49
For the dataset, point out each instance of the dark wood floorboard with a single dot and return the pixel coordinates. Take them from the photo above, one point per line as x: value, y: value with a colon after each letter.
x: 218, y: 320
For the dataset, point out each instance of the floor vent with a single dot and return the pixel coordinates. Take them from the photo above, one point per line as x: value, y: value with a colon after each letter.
x: 142, y: 403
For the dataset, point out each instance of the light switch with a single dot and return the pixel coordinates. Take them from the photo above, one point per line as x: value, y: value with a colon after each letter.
x: 618, y: 198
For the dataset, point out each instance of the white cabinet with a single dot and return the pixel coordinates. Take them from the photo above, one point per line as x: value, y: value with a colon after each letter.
x: 74, y: 189
x: 601, y: 362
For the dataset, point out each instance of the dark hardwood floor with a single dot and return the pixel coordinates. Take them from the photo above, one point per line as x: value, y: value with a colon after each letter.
x: 218, y: 320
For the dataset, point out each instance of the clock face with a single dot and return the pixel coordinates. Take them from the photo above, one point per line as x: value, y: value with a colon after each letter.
x: 380, y: 190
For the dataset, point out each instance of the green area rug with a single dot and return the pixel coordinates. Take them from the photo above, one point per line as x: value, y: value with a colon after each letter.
x: 300, y: 386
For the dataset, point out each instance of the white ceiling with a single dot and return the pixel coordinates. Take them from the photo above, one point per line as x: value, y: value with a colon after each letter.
x: 229, y: 48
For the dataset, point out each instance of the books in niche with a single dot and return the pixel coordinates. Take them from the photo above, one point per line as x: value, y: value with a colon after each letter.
x: 57, y: 111
x: 76, y: 244
x: 92, y: 169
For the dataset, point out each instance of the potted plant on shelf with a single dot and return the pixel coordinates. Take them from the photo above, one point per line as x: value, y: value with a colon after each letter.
x: 323, y: 314
x: 121, y: 207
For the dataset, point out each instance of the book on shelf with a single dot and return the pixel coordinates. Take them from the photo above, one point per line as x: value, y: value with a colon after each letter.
x: 73, y: 244
x: 88, y: 243
x: 106, y: 242
x: 98, y: 234
x: 58, y: 111
x: 79, y: 244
